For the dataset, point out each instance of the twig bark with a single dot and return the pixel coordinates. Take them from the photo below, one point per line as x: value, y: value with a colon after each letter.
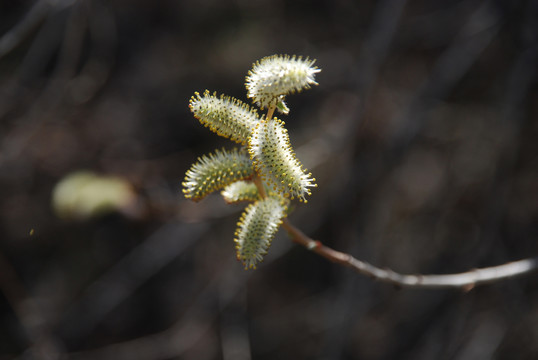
x: 466, y: 280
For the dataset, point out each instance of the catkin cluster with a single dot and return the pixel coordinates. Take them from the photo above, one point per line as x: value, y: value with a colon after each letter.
x: 266, y: 154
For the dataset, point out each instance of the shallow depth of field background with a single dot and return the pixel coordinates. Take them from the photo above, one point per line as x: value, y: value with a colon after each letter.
x: 422, y: 135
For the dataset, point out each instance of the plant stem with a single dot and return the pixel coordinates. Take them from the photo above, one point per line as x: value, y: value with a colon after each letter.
x: 270, y: 112
x: 466, y: 280
x: 259, y: 184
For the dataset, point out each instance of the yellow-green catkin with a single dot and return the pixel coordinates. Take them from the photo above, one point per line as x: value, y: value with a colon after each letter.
x: 224, y: 115
x: 256, y: 228
x: 215, y: 171
x: 275, y: 160
x: 266, y: 160
x: 273, y: 77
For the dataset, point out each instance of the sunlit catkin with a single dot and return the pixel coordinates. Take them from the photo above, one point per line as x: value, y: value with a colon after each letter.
x: 215, y: 171
x: 224, y: 115
x: 275, y: 160
x: 273, y: 77
x: 256, y: 229
x: 265, y: 172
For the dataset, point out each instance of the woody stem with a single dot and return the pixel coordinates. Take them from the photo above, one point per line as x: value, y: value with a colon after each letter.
x: 466, y: 280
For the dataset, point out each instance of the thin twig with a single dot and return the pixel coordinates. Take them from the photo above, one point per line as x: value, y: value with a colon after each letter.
x: 466, y: 280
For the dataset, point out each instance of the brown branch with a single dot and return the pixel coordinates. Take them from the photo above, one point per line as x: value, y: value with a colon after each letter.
x: 466, y: 280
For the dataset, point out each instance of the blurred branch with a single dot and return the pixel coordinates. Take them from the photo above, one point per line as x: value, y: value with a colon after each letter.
x: 478, y: 32
x: 11, y: 287
x: 41, y: 343
x: 133, y: 270
x: 198, y: 320
x: 169, y: 343
x: 466, y: 280
x: 20, y: 31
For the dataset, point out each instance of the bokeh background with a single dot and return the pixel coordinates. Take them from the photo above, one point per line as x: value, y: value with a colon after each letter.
x: 422, y: 135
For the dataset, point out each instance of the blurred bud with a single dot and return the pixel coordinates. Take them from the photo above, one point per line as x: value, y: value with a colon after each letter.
x: 83, y: 195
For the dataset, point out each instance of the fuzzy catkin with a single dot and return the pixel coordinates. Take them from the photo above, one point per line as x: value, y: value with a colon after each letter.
x: 275, y: 160
x: 256, y: 228
x: 265, y: 172
x: 224, y: 115
x: 215, y: 171
x: 273, y: 77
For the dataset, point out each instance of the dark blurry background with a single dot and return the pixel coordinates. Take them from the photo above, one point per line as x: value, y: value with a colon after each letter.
x: 422, y: 135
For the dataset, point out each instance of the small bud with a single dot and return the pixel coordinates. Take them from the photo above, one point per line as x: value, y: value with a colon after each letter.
x: 240, y: 191
x: 282, y: 107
